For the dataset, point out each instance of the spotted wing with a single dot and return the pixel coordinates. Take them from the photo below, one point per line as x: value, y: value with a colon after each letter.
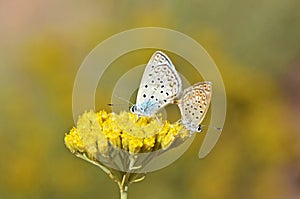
x: 194, y: 104
x: 160, y: 84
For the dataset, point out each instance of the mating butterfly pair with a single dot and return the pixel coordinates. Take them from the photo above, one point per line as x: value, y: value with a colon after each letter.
x: 161, y: 85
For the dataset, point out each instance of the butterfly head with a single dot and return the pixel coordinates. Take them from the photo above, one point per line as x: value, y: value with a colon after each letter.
x: 147, y: 108
x: 197, y: 128
x: 139, y: 110
x: 133, y: 109
x: 192, y: 127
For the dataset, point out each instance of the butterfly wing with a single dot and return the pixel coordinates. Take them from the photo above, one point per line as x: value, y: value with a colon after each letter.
x: 159, y: 86
x: 194, y: 104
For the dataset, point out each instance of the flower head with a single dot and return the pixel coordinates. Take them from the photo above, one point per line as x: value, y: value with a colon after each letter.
x: 96, y: 132
x: 122, y: 144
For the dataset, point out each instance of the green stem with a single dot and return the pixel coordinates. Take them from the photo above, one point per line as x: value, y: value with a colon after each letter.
x: 124, y: 192
x: 123, y: 186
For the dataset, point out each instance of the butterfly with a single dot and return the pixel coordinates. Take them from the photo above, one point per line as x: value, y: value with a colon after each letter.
x: 194, y: 104
x: 159, y: 86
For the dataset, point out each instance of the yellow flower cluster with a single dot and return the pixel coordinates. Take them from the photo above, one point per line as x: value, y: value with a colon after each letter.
x: 73, y: 141
x: 97, y: 132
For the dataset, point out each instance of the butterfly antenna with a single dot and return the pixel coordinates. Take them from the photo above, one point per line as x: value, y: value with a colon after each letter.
x: 111, y: 104
x: 122, y: 99
x: 216, y: 128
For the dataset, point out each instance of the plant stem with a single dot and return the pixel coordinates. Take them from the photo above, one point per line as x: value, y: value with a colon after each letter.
x: 124, y: 192
x: 123, y: 186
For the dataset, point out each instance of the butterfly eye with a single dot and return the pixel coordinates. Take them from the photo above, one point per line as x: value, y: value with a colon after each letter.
x: 199, y: 129
x: 133, y: 109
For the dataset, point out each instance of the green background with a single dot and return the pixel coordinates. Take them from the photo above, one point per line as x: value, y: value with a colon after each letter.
x: 255, y: 44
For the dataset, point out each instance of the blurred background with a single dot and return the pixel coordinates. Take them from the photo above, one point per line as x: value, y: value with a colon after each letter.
x: 255, y: 44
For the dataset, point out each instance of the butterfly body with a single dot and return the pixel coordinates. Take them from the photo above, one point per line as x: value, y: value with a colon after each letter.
x: 194, y: 104
x: 159, y: 86
x: 146, y: 108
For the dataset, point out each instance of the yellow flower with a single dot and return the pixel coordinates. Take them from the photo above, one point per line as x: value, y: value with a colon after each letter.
x: 114, y: 141
x: 126, y: 131
x: 73, y: 141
